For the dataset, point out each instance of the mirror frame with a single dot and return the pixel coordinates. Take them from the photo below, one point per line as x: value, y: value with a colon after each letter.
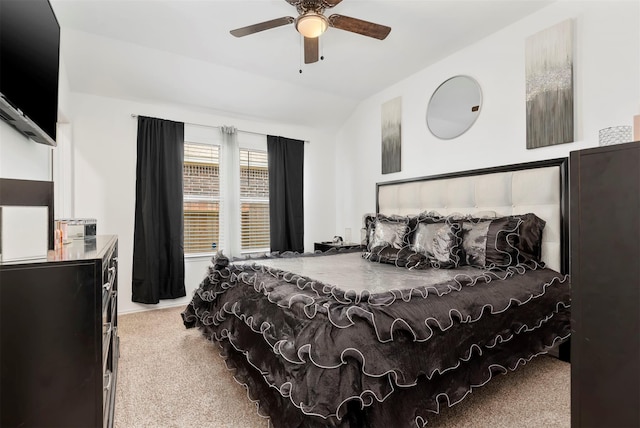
x: 468, y: 124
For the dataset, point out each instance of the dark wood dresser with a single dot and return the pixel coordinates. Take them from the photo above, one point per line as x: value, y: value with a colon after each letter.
x: 605, y: 281
x: 59, y: 337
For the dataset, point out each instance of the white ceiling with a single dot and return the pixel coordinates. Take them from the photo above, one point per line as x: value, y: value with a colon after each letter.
x: 181, y: 52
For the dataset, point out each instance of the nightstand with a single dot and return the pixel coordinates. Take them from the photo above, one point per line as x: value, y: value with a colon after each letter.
x: 327, y: 245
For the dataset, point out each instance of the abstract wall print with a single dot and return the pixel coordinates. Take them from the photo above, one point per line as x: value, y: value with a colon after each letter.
x: 549, y: 76
x: 391, y: 135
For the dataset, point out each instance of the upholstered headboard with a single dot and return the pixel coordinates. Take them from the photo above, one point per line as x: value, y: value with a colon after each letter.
x: 537, y: 187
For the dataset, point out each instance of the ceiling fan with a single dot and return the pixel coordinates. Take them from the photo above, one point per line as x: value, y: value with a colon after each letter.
x: 311, y: 23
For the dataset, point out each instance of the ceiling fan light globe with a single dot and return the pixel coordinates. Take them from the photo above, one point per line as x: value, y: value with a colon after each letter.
x: 311, y: 24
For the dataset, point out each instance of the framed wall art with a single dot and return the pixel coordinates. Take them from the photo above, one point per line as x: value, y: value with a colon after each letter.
x: 549, y: 80
x: 392, y: 135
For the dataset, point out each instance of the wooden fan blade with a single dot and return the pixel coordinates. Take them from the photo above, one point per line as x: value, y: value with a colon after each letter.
x: 330, y: 3
x: 267, y: 25
x: 311, y: 50
x: 359, y: 26
x: 322, y: 3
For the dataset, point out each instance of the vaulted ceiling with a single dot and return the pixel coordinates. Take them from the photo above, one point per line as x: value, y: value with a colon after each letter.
x: 181, y: 52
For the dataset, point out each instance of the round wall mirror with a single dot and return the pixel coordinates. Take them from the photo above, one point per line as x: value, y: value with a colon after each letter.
x: 454, y: 107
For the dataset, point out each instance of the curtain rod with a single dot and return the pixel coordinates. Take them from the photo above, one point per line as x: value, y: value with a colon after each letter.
x: 213, y: 126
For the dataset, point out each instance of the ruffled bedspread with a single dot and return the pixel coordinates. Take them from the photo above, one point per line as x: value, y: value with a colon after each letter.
x: 316, y: 355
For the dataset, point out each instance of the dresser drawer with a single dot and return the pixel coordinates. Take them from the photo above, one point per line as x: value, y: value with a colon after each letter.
x: 107, y: 324
x: 107, y: 329
x: 110, y: 343
x: 109, y: 389
x: 107, y: 383
x: 109, y: 278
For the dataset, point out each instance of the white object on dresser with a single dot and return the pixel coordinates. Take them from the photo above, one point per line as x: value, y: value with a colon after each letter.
x: 23, y: 232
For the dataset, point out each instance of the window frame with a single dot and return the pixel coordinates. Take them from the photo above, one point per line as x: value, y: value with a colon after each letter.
x: 210, y: 136
x: 201, y: 198
x: 253, y: 199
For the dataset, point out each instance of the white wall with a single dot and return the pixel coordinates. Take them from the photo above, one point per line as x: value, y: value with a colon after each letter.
x: 62, y: 155
x: 63, y: 172
x: 104, y: 160
x: 607, y: 93
x: 340, y: 183
x: 22, y: 158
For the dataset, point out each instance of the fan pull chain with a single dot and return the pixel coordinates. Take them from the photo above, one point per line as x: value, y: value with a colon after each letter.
x: 321, y: 49
x: 301, y: 46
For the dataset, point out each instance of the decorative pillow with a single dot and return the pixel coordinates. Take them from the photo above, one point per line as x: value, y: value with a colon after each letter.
x: 485, y: 214
x: 479, y: 215
x: 369, y: 220
x: 387, y: 242
x: 491, y: 244
x: 529, y: 243
x: 367, y: 227
x: 431, y: 213
x: 369, y: 223
x: 404, y: 257
x: 389, y: 233
x: 439, y: 240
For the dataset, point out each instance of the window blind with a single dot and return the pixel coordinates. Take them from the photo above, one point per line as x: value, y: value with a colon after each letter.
x: 201, y: 198
x: 254, y: 200
x: 202, y: 201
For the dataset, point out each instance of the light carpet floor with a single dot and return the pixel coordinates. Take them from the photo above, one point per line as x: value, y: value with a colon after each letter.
x: 169, y: 376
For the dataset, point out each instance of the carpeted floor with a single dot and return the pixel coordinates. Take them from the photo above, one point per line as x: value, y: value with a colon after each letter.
x: 173, y: 377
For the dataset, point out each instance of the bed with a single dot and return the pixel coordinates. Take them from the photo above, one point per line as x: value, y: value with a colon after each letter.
x: 386, y: 336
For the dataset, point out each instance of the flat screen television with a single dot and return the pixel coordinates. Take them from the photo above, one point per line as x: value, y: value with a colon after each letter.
x: 29, y: 67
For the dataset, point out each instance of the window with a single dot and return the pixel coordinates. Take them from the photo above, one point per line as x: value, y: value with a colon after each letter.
x: 203, y: 216
x: 254, y: 200
x: 201, y: 198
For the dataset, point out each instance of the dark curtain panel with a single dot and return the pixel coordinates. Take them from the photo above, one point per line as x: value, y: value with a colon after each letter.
x: 286, y: 211
x: 158, y: 249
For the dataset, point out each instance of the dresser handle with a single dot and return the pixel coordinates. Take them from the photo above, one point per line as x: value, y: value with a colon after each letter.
x: 108, y: 385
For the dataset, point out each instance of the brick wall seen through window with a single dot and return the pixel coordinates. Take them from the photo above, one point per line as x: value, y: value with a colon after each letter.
x: 202, y: 199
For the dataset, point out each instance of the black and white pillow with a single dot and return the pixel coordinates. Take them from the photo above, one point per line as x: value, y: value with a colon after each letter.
x: 490, y: 243
x: 439, y: 240
x: 529, y: 243
x: 387, y: 241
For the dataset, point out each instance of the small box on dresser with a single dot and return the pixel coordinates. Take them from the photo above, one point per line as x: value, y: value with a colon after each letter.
x: 59, y: 337
x: 23, y: 232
